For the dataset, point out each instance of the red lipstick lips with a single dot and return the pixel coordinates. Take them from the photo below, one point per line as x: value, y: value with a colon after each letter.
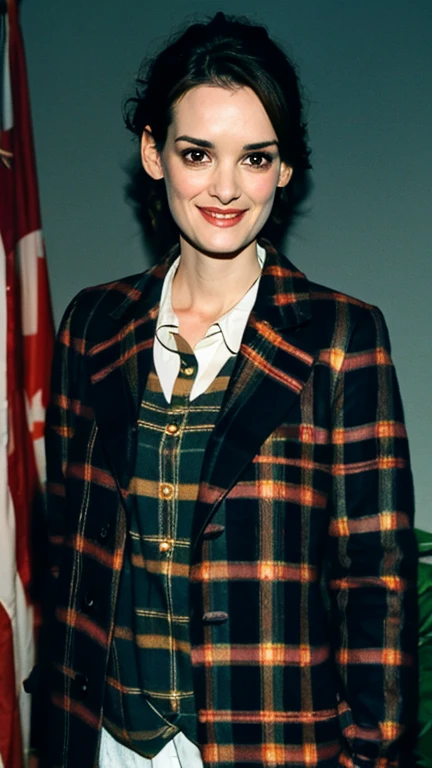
x: 222, y: 217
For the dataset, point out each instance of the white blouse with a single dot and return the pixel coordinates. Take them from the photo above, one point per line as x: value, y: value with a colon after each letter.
x: 222, y: 340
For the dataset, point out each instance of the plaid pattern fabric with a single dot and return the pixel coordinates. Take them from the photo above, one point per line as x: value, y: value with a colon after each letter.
x: 149, y: 693
x: 305, y: 477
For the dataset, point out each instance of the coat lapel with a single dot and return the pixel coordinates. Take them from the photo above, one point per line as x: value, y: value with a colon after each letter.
x: 120, y: 358
x: 271, y: 370
x: 270, y: 373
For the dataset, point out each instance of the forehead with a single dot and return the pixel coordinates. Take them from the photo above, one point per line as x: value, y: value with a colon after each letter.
x: 235, y: 112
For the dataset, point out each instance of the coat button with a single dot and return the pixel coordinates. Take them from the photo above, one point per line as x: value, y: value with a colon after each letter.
x: 88, y: 602
x: 165, y: 546
x: 104, y: 532
x: 81, y: 682
x: 215, y: 617
x: 213, y: 531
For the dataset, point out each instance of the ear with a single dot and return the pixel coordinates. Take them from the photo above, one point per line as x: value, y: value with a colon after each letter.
x: 285, y: 175
x: 150, y: 156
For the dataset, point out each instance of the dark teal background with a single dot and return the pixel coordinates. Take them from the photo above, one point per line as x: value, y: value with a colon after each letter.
x: 367, y: 69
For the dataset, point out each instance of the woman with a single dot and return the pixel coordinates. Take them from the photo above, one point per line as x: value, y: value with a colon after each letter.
x: 230, y: 496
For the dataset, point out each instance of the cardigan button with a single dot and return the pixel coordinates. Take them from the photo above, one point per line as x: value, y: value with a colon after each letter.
x: 172, y: 429
x: 166, y: 491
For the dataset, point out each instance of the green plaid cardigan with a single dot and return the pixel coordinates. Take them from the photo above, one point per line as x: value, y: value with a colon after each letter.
x: 149, y: 692
x: 307, y: 472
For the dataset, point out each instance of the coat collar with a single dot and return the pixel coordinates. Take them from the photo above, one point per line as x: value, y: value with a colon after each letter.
x: 282, y: 300
x: 270, y: 372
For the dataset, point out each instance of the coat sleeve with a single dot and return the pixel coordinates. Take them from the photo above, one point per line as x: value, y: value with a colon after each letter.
x: 59, y: 430
x: 372, y: 553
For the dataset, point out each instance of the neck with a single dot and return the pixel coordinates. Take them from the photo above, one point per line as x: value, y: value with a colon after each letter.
x: 208, y: 285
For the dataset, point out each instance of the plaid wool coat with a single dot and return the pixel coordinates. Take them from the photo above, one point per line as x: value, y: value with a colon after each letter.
x: 303, y: 552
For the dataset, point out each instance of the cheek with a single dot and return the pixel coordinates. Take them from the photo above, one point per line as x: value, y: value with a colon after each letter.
x: 262, y: 188
x: 181, y: 185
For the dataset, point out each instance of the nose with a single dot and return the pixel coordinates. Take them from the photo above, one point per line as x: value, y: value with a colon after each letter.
x: 224, y: 184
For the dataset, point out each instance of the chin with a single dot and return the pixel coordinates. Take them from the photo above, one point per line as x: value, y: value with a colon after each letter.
x: 220, y: 246
x: 221, y: 242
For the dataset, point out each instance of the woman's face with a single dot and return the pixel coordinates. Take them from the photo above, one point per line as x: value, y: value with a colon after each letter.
x: 221, y: 167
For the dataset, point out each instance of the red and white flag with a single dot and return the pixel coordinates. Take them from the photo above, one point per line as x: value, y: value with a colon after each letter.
x: 26, y: 344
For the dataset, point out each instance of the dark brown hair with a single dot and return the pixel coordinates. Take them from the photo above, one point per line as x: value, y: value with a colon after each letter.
x: 228, y: 51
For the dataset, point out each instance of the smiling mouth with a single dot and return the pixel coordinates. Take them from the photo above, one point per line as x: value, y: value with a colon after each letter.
x: 222, y: 218
x: 219, y: 215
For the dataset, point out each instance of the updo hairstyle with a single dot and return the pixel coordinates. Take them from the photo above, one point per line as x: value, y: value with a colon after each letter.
x: 227, y: 51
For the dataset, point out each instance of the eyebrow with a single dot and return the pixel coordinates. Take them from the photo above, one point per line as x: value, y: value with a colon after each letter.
x: 208, y: 144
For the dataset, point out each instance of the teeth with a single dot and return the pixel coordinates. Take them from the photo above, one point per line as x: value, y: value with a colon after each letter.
x: 223, y: 215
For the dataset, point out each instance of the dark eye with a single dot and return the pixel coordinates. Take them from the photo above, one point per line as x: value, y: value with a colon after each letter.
x: 259, y: 159
x: 194, y: 156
